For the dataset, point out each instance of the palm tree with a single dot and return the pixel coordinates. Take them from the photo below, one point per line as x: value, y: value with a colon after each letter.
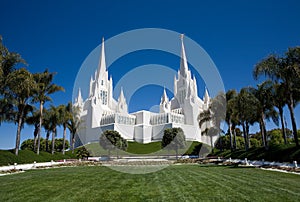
x: 279, y: 101
x: 74, y: 125
x: 47, y: 126
x: 7, y: 113
x: 265, y: 108
x: 214, y: 115
x: 20, y: 84
x: 43, y: 89
x: 8, y: 62
x: 244, y: 110
x: 206, y: 117
x: 230, y: 95
x: 34, y: 120
x: 285, y: 70
x: 218, y: 108
x: 54, y: 120
x: 65, y: 112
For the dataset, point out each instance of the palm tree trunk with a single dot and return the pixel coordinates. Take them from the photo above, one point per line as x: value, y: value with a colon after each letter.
x: 291, y: 108
x: 39, y: 133
x: 230, y: 134
x: 245, y: 136
x: 64, y: 139
x: 73, y: 144
x: 53, y: 141
x: 47, y: 140
x: 263, y: 130
x: 234, y: 139
x: 282, y: 125
x: 265, y: 133
x: 263, y: 142
x: 18, y: 137
x: 35, y: 135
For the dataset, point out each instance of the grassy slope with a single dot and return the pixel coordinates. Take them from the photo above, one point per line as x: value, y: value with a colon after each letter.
x: 25, y: 156
x: 7, y: 157
x: 175, y: 183
x: 153, y: 148
x: 281, y: 153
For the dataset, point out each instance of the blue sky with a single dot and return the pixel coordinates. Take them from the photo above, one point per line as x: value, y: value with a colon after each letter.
x: 59, y: 35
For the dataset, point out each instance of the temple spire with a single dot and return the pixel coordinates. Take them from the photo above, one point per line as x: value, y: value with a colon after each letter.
x: 102, y: 62
x: 122, y: 105
x: 183, y: 61
x: 122, y: 97
x: 164, y: 97
x: 206, y: 98
x: 79, y: 99
x: 164, y: 106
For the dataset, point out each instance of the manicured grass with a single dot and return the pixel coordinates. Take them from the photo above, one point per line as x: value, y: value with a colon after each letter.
x: 280, y: 153
x: 7, y: 157
x: 153, y: 148
x: 138, y: 148
x: 175, y: 183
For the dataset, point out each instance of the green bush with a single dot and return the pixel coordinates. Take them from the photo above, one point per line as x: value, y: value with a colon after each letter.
x: 58, y: 145
x: 280, y: 153
x: 7, y: 157
x: 82, y: 153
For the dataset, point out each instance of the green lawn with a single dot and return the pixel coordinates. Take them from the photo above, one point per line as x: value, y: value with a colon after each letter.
x: 153, y: 148
x: 175, y: 183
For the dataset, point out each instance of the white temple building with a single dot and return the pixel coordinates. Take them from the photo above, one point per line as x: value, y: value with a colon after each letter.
x: 100, y: 111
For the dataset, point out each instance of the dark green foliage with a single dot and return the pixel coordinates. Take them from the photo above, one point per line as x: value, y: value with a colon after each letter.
x: 7, y: 157
x: 82, y: 153
x: 225, y: 140
x: 198, y: 149
x: 59, y: 144
x: 29, y: 145
x: 254, y: 143
x: 173, y: 139
x: 279, y: 153
x: 111, y: 140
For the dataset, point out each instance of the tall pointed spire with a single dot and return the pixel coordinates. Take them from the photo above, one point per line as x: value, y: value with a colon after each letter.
x: 183, y: 61
x: 206, y: 98
x: 175, y: 85
x: 195, y: 86
x: 110, y: 92
x: 122, y: 105
x: 189, y: 91
x: 79, y: 99
x: 91, y: 87
x: 121, y: 96
x: 164, y: 106
x: 164, y: 97
x: 102, y: 62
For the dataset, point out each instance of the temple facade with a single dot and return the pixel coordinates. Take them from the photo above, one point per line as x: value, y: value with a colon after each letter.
x: 100, y: 111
